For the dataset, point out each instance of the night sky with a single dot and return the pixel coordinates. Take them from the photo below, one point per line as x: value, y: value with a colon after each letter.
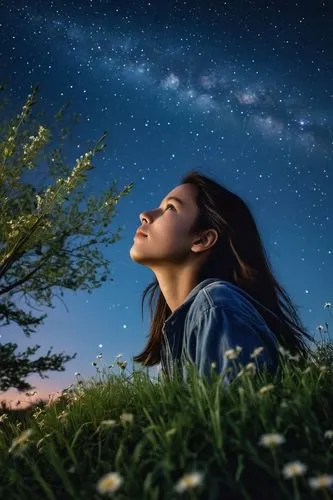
x: 241, y: 90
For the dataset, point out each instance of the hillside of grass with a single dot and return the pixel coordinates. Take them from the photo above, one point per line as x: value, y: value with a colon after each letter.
x: 131, y: 438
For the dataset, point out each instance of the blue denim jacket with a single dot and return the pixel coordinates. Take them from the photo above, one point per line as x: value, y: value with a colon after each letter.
x: 216, y: 316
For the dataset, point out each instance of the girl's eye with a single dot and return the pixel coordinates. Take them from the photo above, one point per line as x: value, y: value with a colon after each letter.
x: 169, y: 205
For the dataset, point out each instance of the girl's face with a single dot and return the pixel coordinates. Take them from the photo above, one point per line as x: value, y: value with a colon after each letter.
x: 167, y: 241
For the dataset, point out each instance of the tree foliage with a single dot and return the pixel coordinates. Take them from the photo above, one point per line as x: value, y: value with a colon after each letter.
x: 49, y: 237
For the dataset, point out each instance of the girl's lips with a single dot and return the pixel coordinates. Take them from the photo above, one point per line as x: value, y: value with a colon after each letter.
x: 141, y: 234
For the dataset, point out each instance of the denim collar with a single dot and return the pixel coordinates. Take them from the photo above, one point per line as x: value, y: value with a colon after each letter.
x: 173, y: 328
x: 179, y: 311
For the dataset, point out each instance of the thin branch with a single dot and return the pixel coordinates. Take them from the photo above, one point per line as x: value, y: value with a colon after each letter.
x: 62, y: 301
x: 21, y: 281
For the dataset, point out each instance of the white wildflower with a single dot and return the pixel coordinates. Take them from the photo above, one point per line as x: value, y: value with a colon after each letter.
x: 109, y: 483
x: 256, y: 352
x: 233, y: 353
x: 266, y: 388
x: 293, y: 469
x: 249, y: 369
x: 189, y: 481
x: 62, y: 415
x: 126, y: 417
x: 271, y: 440
x: 108, y: 423
x: 323, y: 481
x: 283, y: 351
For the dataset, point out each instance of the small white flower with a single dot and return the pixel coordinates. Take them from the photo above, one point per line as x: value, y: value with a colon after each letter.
x: 256, y: 352
x: 271, y: 440
x: 233, y: 353
x: 283, y: 351
x: 323, y: 481
x: 109, y: 423
x: 292, y: 469
x: 230, y: 354
x: 189, y: 481
x: 249, y: 369
x: 328, y: 434
x: 37, y: 413
x: 126, y: 417
x: 266, y: 388
x: 109, y: 483
x: 62, y: 415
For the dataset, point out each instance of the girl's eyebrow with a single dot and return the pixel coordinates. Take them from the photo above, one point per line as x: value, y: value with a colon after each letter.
x: 176, y: 199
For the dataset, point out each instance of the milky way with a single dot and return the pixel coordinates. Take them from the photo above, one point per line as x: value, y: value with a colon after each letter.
x: 190, y: 75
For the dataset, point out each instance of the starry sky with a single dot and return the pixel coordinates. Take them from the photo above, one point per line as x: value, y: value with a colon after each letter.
x: 241, y: 90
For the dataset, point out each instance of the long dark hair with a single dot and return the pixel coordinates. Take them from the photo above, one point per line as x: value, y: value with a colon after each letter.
x: 238, y: 257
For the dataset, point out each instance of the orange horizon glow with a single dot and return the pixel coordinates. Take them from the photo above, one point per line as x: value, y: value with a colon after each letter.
x: 12, y: 396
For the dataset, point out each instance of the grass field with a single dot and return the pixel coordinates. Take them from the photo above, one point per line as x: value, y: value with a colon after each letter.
x: 121, y: 437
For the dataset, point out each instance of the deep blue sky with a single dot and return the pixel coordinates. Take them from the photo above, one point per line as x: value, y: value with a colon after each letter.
x: 241, y: 90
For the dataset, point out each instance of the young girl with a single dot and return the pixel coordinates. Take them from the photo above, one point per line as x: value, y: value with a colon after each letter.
x: 217, y: 297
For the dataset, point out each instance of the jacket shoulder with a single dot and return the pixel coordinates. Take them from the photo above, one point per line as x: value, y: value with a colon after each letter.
x: 227, y: 295
x: 220, y: 293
